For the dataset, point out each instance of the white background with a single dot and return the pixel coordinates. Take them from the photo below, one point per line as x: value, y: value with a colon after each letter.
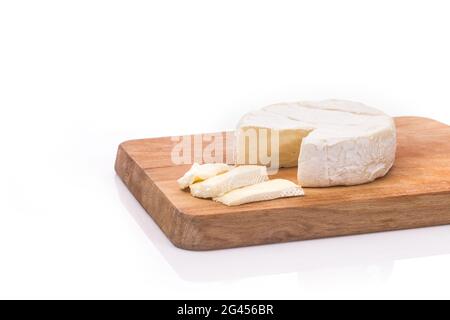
x: 79, y: 77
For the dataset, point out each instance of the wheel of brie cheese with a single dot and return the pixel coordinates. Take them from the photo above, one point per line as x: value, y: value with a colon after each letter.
x: 333, y: 142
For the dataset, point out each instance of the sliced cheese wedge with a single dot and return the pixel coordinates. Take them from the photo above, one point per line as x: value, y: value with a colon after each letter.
x: 236, y: 178
x: 269, y: 190
x: 201, y: 172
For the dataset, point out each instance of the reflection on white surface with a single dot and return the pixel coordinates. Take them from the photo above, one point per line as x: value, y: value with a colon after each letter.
x: 361, y: 260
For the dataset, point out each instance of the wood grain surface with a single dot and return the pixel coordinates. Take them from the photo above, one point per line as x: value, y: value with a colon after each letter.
x: 416, y: 193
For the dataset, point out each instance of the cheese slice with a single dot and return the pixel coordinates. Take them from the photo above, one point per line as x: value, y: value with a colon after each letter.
x: 236, y: 178
x: 333, y: 142
x: 201, y: 172
x: 269, y: 190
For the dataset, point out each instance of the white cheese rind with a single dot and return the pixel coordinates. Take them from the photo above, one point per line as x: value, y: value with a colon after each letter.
x: 201, y: 172
x: 269, y: 190
x: 347, y: 143
x: 236, y: 178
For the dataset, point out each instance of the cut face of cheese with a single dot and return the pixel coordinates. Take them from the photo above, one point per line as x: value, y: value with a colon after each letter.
x: 269, y: 190
x: 281, y: 144
x: 333, y: 142
x: 236, y: 178
x: 201, y: 172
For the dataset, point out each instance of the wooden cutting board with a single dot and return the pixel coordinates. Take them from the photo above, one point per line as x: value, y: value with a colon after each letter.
x: 416, y: 193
